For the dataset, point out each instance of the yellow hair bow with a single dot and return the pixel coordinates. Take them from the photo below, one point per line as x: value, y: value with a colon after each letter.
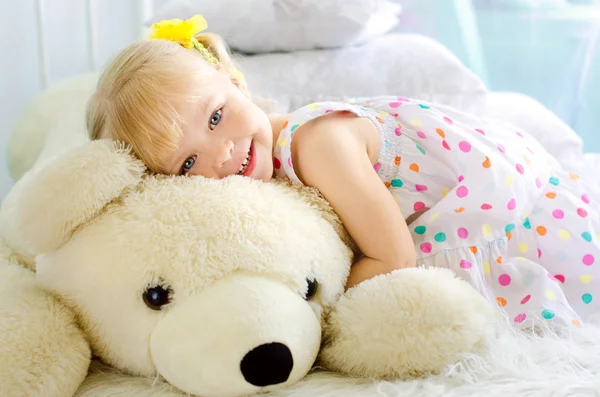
x: 183, y: 32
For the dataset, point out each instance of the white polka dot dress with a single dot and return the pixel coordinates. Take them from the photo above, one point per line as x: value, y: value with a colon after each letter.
x: 503, y: 214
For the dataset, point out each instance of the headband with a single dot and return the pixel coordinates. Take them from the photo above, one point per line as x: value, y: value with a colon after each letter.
x: 183, y: 32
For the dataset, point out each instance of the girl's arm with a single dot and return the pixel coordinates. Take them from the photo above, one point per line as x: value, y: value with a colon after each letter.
x: 334, y: 160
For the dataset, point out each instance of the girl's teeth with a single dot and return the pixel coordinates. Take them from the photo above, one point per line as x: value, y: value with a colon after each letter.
x: 245, y: 163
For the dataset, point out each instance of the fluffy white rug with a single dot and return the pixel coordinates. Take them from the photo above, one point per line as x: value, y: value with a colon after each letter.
x: 518, y: 364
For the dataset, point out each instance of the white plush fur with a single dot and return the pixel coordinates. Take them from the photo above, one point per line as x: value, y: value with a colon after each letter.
x: 237, y: 256
x: 43, y: 353
x: 518, y: 364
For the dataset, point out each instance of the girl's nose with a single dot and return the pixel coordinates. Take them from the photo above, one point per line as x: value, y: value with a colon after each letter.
x: 223, y: 154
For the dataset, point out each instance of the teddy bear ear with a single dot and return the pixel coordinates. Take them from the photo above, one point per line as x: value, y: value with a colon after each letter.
x: 55, y: 199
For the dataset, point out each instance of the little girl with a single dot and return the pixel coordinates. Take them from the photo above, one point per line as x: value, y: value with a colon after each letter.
x: 415, y: 184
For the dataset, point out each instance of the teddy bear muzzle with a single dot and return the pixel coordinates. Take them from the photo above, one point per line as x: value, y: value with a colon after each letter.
x: 241, y: 334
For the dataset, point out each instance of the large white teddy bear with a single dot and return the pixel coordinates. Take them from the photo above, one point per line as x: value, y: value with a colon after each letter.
x: 227, y: 287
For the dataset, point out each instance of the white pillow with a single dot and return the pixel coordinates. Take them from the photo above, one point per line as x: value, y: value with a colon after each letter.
x: 396, y: 64
x: 259, y: 26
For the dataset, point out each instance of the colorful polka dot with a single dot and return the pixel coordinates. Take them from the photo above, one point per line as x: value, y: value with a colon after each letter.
x: 418, y: 206
x: 486, y: 206
x: 509, y: 228
x: 576, y: 323
x: 538, y: 183
x: 528, y: 279
x: 587, y: 298
x: 551, y: 195
x: 558, y: 214
x: 525, y: 299
x: 548, y: 314
x: 276, y: 163
x: 440, y: 237
x: 448, y: 120
x: 486, y: 163
x: 559, y: 277
x: 564, y: 234
x: 421, y: 135
x: 420, y: 188
x: 397, y: 160
x: 397, y: 183
x: 445, y: 145
x: 464, y: 146
x: 289, y: 162
x: 423, y: 106
x: 501, y: 301
x: 562, y: 256
x: 504, y: 280
x: 433, y: 217
x: 294, y: 127
x: 398, y: 131
x: 586, y: 278
x: 508, y: 180
x: 377, y: 166
x: 520, y: 169
x: 512, y: 204
x: 426, y: 248
x: 459, y: 210
x: 416, y: 123
x: 462, y: 191
x: 585, y: 198
x: 501, y: 148
x: 523, y: 248
x: 444, y: 192
x: 441, y: 133
x: 420, y: 149
x: 586, y: 236
x: 462, y: 233
x: 541, y: 230
x: 414, y: 167
x: 582, y: 212
x: 554, y: 180
x: 420, y: 229
x: 487, y: 230
x: 550, y: 295
x: 520, y: 317
x: 588, y: 259
x: 465, y: 264
x: 527, y: 224
x: 482, y: 132
x: 486, y: 268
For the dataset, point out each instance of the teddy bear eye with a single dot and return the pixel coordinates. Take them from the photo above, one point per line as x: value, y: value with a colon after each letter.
x: 157, y: 296
x: 313, y: 286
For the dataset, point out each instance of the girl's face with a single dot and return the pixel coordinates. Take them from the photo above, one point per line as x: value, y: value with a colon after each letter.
x: 224, y: 134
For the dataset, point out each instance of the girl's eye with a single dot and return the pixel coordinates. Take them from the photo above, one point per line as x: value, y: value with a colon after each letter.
x: 188, y: 164
x: 216, y: 118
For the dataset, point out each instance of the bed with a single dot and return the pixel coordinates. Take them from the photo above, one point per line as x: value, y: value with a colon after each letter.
x: 380, y: 63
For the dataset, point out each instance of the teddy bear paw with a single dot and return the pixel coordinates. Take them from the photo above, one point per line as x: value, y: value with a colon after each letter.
x: 405, y: 324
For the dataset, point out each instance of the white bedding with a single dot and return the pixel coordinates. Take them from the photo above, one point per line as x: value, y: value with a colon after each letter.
x: 517, y: 365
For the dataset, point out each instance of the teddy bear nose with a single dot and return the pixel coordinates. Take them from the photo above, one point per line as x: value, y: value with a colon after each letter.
x: 267, y: 364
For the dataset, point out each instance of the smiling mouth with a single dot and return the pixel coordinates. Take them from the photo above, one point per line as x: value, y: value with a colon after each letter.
x: 246, y: 162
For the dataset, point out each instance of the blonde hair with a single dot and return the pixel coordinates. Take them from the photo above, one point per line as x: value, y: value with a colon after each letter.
x: 138, y: 94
